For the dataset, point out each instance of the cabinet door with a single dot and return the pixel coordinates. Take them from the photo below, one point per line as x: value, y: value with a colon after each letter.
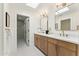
x: 38, y: 42
x: 35, y: 41
x: 65, y: 52
x: 51, y: 49
x: 43, y: 44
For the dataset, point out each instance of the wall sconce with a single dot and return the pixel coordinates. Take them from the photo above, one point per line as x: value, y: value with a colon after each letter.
x: 44, y: 13
x: 61, y: 5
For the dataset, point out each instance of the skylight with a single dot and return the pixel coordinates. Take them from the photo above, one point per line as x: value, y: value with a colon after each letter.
x: 33, y: 5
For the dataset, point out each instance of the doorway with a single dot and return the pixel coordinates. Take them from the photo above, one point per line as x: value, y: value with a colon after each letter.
x: 22, y: 30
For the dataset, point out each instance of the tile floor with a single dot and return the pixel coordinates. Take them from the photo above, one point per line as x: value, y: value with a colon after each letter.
x: 24, y: 50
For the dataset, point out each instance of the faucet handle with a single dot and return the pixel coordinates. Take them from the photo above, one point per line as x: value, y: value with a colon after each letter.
x: 66, y: 35
x: 60, y: 34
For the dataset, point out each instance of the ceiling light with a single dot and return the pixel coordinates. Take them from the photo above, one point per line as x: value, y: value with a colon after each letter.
x: 33, y: 5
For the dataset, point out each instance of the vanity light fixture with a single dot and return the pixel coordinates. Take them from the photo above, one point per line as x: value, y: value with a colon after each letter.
x: 65, y: 9
x: 61, y: 5
x: 44, y: 13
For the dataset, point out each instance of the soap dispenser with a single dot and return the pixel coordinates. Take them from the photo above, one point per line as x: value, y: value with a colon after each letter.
x: 47, y: 31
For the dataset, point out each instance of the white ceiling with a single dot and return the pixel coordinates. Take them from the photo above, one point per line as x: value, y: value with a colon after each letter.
x: 40, y: 7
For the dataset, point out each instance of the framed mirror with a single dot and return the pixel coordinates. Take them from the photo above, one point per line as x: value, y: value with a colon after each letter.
x: 7, y: 19
x: 65, y: 24
x: 68, y: 21
x: 44, y: 21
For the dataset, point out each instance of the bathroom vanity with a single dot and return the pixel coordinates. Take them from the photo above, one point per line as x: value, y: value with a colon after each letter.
x: 52, y: 45
x: 66, y: 41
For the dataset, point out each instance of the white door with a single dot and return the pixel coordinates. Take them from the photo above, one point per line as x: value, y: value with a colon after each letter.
x: 27, y: 31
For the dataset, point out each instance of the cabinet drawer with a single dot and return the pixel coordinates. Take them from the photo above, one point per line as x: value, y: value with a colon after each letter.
x: 51, y: 40
x: 52, y: 49
x: 36, y: 35
x: 61, y: 51
x: 78, y: 50
x: 67, y: 45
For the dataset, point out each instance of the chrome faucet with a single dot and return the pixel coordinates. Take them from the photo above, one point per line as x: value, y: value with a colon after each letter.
x: 64, y: 34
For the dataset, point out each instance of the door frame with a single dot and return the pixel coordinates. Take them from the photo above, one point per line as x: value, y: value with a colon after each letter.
x: 28, y: 24
x: 27, y: 37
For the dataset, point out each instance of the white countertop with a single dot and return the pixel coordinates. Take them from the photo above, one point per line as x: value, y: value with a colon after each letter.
x: 58, y: 37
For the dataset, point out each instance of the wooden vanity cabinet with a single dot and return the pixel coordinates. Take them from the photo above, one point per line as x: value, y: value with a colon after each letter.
x: 52, y: 47
x: 55, y: 47
x: 61, y: 51
x: 78, y: 50
x: 66, y: 49
x: 37, y: 40
x: 61, y: 48
x: 43, y: 45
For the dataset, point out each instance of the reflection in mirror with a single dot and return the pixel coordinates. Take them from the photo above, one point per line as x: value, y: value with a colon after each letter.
x: 56, y: 26
x: 78, y: 27
x: 65, y: 24
x: 61, y: 19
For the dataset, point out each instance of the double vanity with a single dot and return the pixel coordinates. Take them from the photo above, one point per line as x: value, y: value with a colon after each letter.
x: 65, y: 41
x: 54, y: 45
